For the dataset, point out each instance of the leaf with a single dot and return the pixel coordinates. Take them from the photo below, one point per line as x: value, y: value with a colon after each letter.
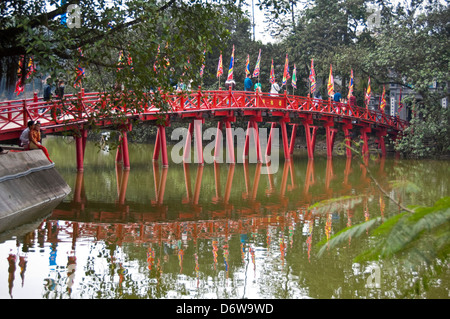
x: 343, y: 236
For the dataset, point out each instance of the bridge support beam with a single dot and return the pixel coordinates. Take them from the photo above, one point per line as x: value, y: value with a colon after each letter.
x: 293, y: 135
x: 218, y: 146
x: 330, y: 136
x: 161, y: 145
x: 269, y: 140
x: 310, y: 132
x: 252, y: 124
x: 287, y: 155
x: 80, y: 144
x: 381, y: 143
x: 364, y: 131
x: 230, y: 143
x: 348, y: 137
x: 122, y: 154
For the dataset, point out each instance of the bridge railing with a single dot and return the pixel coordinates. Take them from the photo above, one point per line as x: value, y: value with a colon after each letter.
x: 15, y: 114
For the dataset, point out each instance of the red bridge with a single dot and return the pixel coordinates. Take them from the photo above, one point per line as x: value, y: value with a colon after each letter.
x: 76, y: 114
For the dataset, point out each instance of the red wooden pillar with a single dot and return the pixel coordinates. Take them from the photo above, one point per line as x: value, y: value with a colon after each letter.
x: 269, y: 140
x: 330, y: 136
x: 254, y: 124
x: 161, y: 145
x: 293, y: 135
x: 348, y: 138
x: 365, y: 138
x: 381, y: 143
x: 157, y: 146
x: 287, y: 154
x: 247, y: 141
x: 310, y: 132
x: 218, y: 146
x: 198, y: 139
x: 164, y: 157
x: 230, y: 142
x: 80, y: 144
x: 187, y: 146
x: 125, y: 154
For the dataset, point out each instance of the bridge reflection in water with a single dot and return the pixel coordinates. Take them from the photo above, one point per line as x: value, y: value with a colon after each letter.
x: 203, y: 233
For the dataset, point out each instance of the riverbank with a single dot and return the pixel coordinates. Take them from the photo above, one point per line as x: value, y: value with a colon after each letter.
x: 29, y: 186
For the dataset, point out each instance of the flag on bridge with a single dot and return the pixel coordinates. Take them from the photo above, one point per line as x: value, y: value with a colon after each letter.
x: 294, y: 77
x: 383, y: 99
x: 330, y: 85
x: 286, y: 75
x: 368, y: 94
x: 220, y: 66
x: 230, y: 70
x: 247, y: 66
x: 272, y: 74
x: 350, y: 85
x: 258, y: 62
x: 312, y: 79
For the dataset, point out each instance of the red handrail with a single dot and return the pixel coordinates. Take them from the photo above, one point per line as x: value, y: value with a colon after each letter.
x: 75, y: 108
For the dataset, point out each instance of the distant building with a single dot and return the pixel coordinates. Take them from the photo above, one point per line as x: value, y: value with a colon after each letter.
x: 405, y: 112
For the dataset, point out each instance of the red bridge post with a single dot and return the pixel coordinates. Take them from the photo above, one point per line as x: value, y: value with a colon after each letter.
x: 310, y: 132
x: 381, y: 143
x: 293, y: 135
x: 161, y: 145
x: 364, y: 130
x: 218, y: 145
x: 285, y: 138
x: 348, y: 138
x: 80, y: 144
x: 330, y: 136
x: 269, y: 140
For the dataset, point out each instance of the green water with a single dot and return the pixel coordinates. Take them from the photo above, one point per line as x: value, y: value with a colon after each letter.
x: 214, y: 231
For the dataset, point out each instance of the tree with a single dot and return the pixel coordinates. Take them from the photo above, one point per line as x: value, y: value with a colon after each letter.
x: 182, y: 30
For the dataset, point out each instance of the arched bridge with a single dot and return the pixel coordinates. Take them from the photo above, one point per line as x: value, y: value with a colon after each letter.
x: 75, y: 113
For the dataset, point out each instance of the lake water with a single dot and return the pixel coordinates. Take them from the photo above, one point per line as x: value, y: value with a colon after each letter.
x: 214, y: 231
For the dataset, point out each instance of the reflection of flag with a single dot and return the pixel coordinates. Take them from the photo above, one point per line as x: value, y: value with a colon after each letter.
x: 383, y: 99
x: 286, y: 75
x: 220, y: 67
x: 330, y: 85
x: 350, y: 85
x: 247, y: 66
x: 272, y: 74
x: 368, y: 94
x: 256, y: 71
x: 294, y: 78
x: 230, y: 70
x: 312, y: 78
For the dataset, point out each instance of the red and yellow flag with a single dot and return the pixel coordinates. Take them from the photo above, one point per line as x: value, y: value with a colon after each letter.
x: 330, y: 85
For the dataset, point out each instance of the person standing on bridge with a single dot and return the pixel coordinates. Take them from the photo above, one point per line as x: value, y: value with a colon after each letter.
x: 60, y: 90
x: 35, y: 138
x: 275, y: 88
x: 248, y: 83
